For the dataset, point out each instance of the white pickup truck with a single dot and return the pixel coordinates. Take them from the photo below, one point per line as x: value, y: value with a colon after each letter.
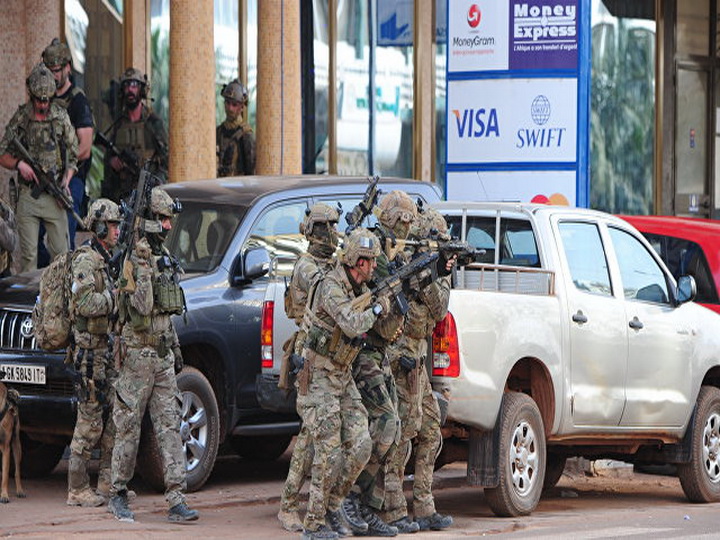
x: 569, y: 337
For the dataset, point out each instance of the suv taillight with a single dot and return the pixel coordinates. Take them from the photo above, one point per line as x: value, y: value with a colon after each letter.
x: 266, y: 335
x: 446, y: 353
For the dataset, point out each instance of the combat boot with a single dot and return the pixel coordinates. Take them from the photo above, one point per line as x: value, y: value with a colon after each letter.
x: 290, y: 520
x: 336, y: 522
x: 351, y: 512
x: 323, y: 532
x: 104, y: 485
x: 180, y: 512
x: 405, y: 526
x: 118, y: 506
x: 84, y: 497
x: 434, y: 522
x: 376, y: 526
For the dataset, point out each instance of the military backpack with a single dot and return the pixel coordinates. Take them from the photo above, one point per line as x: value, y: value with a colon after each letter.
x: 51, y: 314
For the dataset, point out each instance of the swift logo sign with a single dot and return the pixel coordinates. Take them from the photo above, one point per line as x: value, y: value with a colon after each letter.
x: 542, y: 137
x: 477, y: 123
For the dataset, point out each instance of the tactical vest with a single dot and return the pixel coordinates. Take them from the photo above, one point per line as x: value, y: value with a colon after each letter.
x: 99, y: 325
x: 230, y: 157
x: 42, y: 139
x: 135, y: 137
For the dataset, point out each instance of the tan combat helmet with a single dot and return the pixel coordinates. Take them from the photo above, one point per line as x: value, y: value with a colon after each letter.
x: 41, y: 83
x: 431, y: 221
x: 318, y: 213
x: 101, y: 212
x: 133, y: 74
x: 361, y: 243
x: 56, y: 54
x: 235, y: 90
x: 396, y: 205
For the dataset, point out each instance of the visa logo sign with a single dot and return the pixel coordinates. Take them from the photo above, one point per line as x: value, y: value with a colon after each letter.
x: 477, y: 123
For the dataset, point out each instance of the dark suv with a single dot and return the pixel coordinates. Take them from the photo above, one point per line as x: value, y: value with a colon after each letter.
x: 237, y: 240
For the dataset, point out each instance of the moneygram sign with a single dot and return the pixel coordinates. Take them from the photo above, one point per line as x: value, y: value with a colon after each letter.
x: 518, y: 100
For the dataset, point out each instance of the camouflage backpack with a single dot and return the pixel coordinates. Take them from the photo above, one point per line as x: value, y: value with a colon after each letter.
x: 51, y: 314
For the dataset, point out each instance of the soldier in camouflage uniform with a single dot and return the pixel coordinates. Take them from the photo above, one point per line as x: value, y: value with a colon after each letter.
x: 8, y: 238
x: 418, y: 408
x: 150, y: 359
x: 374, y: 378
x: 234, y: 138
x: 44, y: 128
x: 140, y: 133
x: 92, y: 308
x: 319, y: 229
x: 342, y: 311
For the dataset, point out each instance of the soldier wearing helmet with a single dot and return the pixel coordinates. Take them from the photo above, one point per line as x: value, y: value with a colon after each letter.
x: 58, y: 60
x: 235, y: 141
x: 44, y: 129
x: 139, y: 136
x: 318, y: 226
x: 92, y: 309
x: 149, y: 295
x: 328, y: 400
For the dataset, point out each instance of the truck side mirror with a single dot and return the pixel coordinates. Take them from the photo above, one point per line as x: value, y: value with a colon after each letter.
x: 686, y: 289
x: 252, y: 264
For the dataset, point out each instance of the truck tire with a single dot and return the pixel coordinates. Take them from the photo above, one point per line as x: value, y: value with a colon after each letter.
x: 199, y: 431
x: 261, y: 448
x: 554, y: 469
x: 700, y: 478
x: 522, y: 457
x: 38, y: 458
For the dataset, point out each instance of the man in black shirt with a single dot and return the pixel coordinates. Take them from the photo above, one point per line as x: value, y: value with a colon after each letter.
x: 57, y: 58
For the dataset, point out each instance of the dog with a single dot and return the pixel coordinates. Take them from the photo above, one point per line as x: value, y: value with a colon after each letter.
x: 9, y: 439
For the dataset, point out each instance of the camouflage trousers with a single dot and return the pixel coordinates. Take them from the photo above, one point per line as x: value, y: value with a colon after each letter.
x: 146, y: 381
x: 30, y: 212
x: 376, y: 384
x: 300, y: 464
x: 95, y: 395
x: 337, y: 427
x: 420, y: 417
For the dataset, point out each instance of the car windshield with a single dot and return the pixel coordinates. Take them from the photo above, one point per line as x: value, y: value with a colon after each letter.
x: 201, y: 234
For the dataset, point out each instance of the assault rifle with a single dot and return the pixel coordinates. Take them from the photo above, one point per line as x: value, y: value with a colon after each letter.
x: 46, y: 183
x: 397, y: 285
x: 465, y: 253
x: 364, y: 208
x: 129, y: 158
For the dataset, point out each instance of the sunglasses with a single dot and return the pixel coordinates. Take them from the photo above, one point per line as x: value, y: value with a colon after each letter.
x: 41, y: 99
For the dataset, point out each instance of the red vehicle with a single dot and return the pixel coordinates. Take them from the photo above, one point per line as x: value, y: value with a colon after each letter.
x: 688, y: 246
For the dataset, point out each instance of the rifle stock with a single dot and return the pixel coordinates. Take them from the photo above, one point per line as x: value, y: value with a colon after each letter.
x: 129, y: 159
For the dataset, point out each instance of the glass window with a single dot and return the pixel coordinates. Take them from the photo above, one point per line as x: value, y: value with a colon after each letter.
x: 622, y: 113
x: 517, y: 240
x: 277, y: 230
x: 585, y: 256
x: 642, y: 277
x: 693, y: 22
x: 686, y: 257
x: 200, y: 235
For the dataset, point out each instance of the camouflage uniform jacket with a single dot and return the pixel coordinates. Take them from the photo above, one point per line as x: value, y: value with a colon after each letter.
x: 51, y: 142
x: 235, y: 149
x: 8, y: 236
x: 307, y: 271
x: 427, y: 309
x: 92, y: 302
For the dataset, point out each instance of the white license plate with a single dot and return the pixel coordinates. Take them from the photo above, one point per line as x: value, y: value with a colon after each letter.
x: 18, y: 373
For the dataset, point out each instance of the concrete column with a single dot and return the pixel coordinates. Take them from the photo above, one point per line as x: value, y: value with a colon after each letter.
x: 192, y: 91
x: 42, y: 23
x: 423, y: 90
x: 279, y: 120
x: 136, y: 44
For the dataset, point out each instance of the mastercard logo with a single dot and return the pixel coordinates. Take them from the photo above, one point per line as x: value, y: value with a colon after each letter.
x: 557, y: 199
x: 474, y: 16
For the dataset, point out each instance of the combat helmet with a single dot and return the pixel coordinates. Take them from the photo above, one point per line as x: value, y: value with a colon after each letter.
x: 318, y: 213
x: 41, y: 83
x: 102, y: 211
x: 133, y: 74
x: 431, y: 223
x: 56, y: 54
x: 396, y: 205
x: 361, y: 243
x: 235, y: 90
x: 162, y: 204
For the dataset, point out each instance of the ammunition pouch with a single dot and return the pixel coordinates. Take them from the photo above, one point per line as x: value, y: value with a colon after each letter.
x: 285, y: 381
x: 304, y: 376
x: 139, y: 323
x: 168, y: 296
x: 92, y: 325
x: 408, y: 363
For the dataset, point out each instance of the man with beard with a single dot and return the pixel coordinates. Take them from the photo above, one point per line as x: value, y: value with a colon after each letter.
x: 234, y: 138
x: 139, y: 134
x: 70, y: 97
x: 44, y: 129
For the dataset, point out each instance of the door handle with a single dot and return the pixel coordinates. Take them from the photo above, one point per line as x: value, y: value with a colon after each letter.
x: 636, y: 324
x: 579, y: 317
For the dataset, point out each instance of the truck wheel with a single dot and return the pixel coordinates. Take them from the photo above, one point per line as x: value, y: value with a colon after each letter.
x: 700, y: 478
x: 554, y: 469
x: 38, y: 458
x: 199, y: 431
x: 261, y: 448
x: 521, y: 455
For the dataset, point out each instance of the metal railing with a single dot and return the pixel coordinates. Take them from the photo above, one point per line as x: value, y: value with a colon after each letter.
x: 504, y: 278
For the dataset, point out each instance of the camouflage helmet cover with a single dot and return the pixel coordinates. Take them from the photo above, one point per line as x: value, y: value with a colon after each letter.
x: 56, y: 54
x: 235, y: 90
x: 429, y: 221
x: 396, y: 205
x: 361, y: 243
x: 102, y: 210
x: 133, y: 74
x: 161, y: 203
x: 41, y: 83
x: 318, y: 213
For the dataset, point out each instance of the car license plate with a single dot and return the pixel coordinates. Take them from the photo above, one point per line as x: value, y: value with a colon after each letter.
x: 24, y: 374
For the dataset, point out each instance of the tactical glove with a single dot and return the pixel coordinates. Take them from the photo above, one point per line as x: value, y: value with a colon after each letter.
x: 179, y: 363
